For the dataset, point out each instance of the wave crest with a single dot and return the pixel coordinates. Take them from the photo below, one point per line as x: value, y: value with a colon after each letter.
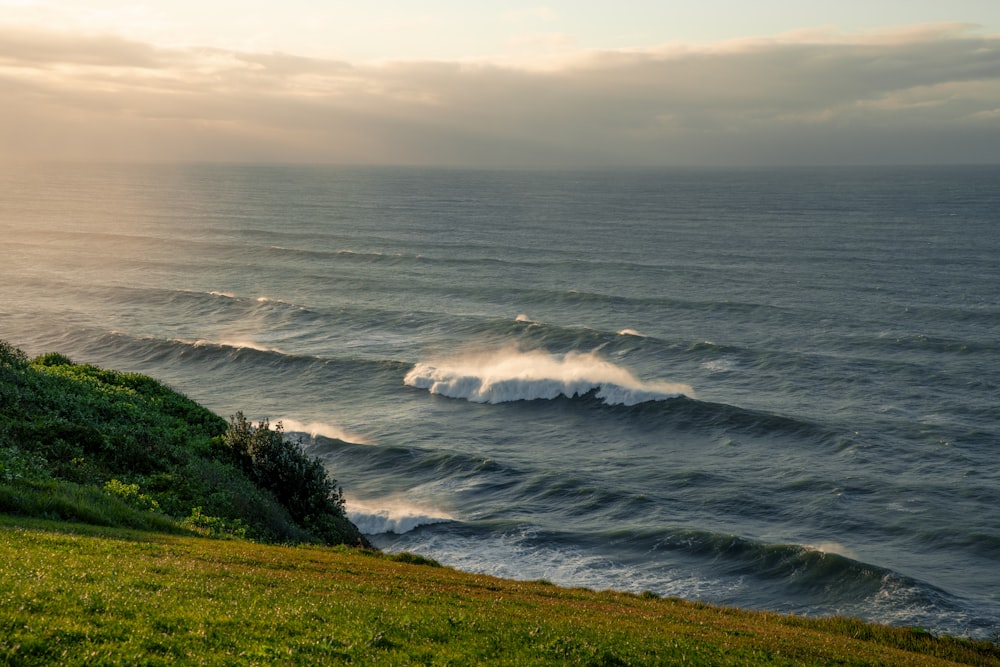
x: 510, y: 374
x: 326, y: 430
x: 391, y: 517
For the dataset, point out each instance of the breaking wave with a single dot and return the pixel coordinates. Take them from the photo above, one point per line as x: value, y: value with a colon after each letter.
x: 317, y: 429
x: 510, y: 374
x: 391, y: 517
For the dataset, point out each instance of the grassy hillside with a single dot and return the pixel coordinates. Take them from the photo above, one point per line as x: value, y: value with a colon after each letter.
x: 120, y: 449
x: 76, y: 595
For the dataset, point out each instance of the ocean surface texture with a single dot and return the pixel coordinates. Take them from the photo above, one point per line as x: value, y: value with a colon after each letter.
x: 776, y: 389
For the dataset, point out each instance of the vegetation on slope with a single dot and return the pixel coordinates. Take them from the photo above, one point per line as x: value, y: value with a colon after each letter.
x: 82, y: 443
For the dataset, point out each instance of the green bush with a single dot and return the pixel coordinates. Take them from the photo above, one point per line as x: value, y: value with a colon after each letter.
x: 13, y: 362
x: 223, y: 490
x: 17, y: 465
x: 300, y: 483
x: 417, y: 559
x: 213, y: 526
x: 53, y: 359
x: 131, y: 495
x: 11, y: 356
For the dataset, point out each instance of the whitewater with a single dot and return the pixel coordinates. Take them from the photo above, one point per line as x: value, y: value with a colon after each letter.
x: 772, y: 388
x: 516, y: 375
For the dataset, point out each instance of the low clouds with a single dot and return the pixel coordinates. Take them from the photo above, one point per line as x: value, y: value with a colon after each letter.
x: 42, y: 49
x: 920, y: 94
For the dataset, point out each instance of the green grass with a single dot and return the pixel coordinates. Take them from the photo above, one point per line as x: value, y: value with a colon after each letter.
x: 75, y: 502
x: 73, y: 594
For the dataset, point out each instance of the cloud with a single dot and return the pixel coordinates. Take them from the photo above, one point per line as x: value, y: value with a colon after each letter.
x: 39, y: 49
x: 920, y: 93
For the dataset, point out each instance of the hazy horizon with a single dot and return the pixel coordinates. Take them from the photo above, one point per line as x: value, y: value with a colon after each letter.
x: 502, y: 85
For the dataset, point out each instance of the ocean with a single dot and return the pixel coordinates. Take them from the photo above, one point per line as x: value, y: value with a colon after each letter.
x: 768, y: 388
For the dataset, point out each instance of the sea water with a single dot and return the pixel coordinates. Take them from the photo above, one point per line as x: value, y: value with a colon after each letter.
x: 776, y: 389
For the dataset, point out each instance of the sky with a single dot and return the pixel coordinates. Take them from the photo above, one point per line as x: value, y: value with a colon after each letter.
x: 502, y: 84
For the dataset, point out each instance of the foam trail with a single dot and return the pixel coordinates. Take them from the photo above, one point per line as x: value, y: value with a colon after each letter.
x: 510, y: 374
x: 391, y: 517
x: 314, y: 429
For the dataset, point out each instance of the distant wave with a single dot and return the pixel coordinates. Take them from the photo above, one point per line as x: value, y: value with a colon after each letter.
x: 237, y: 344
x: 510, y: 374
x: 391, y: 517
x: 220, y: 353
x: 232, y: 296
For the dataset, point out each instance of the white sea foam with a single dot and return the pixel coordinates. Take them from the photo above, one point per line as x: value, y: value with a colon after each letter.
x: 520, y: 557
x: 314, y: 429
x: 720, y: 365
x: 391, y: 516
x: 510, y: 374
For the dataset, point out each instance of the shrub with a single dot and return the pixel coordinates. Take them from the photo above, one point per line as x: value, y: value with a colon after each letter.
x: 16, y: 465
x: 222, y: 490
x: 417, y: 559
x: 300, y: 483
x: 12, y: 364
x: 213, y: 526
x: 53, y: 359
x: 12, y: 356
x: 131, y: 495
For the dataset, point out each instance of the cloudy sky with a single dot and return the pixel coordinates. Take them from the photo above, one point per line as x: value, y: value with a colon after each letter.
x: 491, y: 83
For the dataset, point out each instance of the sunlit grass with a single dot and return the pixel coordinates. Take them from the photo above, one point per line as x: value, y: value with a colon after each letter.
x: 74, y: 595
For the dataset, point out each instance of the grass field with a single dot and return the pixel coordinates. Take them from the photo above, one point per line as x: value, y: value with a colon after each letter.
x: 73, y: 594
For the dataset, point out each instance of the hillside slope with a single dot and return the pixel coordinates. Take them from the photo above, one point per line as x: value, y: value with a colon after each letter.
x: 82, y: 443
x: 78, y: 595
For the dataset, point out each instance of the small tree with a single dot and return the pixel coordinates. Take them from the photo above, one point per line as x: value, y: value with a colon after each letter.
x: 12, y: 356
x: 300, y: 483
